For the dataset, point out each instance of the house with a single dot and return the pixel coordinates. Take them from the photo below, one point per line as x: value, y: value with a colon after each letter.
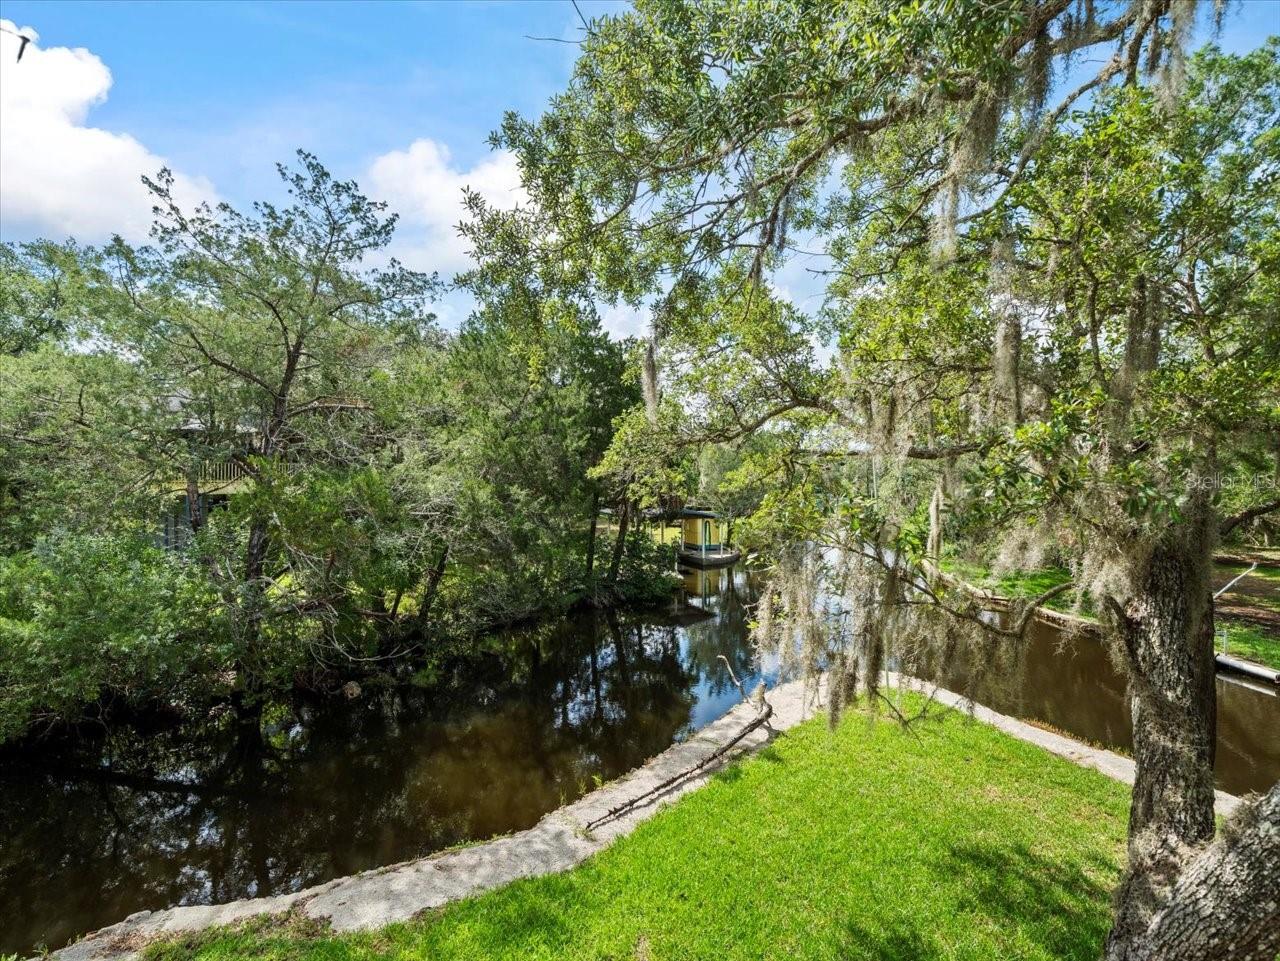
x: 207, y: 481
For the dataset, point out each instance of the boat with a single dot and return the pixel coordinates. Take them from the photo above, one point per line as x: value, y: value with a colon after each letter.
x: 702, y: 540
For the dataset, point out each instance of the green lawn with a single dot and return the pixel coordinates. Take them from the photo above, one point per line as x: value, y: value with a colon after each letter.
x: 1242, y: 639
x: 865, y: 843
x: 1251, y: 644
x: 1017, y: 583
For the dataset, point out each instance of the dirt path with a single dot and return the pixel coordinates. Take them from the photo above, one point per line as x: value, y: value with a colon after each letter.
x: 1254, y: 599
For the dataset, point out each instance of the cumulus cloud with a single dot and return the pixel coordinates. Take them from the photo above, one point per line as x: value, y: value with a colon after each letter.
x: 622, y: 320
x: 60, y: 177
x: 424, y: 185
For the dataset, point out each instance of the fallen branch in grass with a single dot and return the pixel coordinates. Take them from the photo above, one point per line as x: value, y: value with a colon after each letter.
x: 765, y: 710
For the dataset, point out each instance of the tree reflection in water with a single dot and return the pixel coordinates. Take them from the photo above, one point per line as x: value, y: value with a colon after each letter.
x: 145, y: 819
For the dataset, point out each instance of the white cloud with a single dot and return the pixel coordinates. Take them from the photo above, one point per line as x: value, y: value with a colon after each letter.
x: 622, y: 320
x: 423, y: 185
x: 58, y: 176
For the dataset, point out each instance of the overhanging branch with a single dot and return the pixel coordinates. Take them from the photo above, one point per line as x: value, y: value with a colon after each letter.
x: 1243, y: 517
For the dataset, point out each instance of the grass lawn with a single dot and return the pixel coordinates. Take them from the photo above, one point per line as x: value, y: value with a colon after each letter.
x: 865, y: 843
x: 1018, y: 583
x: 1251, y: 644
x: 1239, y: 637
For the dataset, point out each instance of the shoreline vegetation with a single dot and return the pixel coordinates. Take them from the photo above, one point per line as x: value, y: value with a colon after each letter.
x: 647, y: 582
x: 243, y: 461
x: 258, y: 457
x: 942, y: 855
x: 1248, y: 623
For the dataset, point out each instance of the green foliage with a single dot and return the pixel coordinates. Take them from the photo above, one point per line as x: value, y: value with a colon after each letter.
x: 85, y: 616
x: 1061, y: 353
x: 40, y: 289
x: 647, y: 573
x: 368, y: 485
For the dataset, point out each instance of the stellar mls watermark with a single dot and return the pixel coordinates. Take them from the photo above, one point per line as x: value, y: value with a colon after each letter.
x: 1237, y: 482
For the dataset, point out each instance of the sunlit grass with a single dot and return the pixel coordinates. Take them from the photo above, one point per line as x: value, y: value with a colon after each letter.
x: 1249, y: 643
x: 866, y: 843
x: 1019, y: 583
x: 1238, y: 638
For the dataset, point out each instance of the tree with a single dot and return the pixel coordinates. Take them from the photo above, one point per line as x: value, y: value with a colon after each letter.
x: 37, y: 295
x: 253, y: 350
x: 542, y: 309
x: 1044, y: 322
x: 265, y: 327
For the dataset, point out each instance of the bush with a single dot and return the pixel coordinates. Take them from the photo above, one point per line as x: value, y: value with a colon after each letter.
x: 87, y: 614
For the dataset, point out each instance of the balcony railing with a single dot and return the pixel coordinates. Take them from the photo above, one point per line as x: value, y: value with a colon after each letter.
x: 224, y: 471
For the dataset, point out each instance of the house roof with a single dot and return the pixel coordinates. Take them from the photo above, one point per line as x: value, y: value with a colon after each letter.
x: 655, y: 514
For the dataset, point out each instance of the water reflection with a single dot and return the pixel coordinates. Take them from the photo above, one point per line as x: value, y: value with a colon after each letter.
x: 1071, y: 684
x: 95, y: 832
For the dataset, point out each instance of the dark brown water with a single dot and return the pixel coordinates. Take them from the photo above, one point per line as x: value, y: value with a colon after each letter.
x: 96, y: 831
x: 1072, y: 685
x: 90, y: 833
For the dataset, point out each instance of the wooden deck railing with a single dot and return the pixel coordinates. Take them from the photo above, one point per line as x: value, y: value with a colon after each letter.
x: 223, y: 471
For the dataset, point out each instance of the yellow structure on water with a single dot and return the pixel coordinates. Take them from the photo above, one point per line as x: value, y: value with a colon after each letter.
x: 704, y: 539
x: 701, y: 537
x: 701, y: 530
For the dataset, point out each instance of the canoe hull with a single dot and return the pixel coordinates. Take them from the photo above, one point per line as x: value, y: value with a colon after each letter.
x: 718, y: 558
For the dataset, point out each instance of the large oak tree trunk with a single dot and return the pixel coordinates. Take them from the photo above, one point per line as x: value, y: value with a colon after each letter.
x: 1165, y: 633
x: 1226, y: 902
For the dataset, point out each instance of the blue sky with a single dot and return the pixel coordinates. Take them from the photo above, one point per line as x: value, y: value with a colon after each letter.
x: 399, y: 95
x: 224, y: 89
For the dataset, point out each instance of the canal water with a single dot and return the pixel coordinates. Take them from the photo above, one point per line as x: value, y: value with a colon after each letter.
x: 97, y: 830
x: 1071, y: 684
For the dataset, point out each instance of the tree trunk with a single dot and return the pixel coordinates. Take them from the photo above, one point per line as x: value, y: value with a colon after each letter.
x: 195, y: 513
x: 649, y: 377
x: 255, y: 555
x: 246, y: 699
x: 1226, y: 902
x: 1006, y: 383
x: 591, y: 536
x: 937, y: 504
x: 1166, y: 638
x: 616, y: 563
x: 255, y: 563
x: 433, y: 585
